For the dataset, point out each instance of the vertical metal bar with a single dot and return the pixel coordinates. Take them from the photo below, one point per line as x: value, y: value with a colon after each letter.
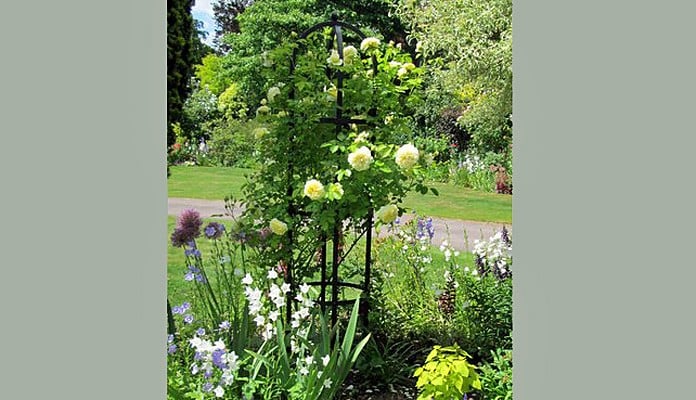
x: 364, y: 305
x: 334, y: 277
x: 322, y: 296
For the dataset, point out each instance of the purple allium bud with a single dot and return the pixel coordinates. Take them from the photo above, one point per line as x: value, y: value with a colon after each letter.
x: 171, y: 349
x: 214, y: 230
x: 188, y: 227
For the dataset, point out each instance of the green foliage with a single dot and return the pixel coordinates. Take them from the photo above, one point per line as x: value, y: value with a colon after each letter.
x: 496, y: 376
x: 212, y: 74
x: 412, y: 286
x: 446, y: 374
x: 234, y: 144
x: 200, y: 113
x: 468, y: 44
x: 485, y: 307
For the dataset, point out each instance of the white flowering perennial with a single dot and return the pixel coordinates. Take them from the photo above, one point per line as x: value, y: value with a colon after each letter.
x: 217, y: 363
x: 494, y: 255
x: 265, y: 309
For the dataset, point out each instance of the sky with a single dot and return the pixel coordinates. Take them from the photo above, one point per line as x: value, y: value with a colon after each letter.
x: 202, y: 10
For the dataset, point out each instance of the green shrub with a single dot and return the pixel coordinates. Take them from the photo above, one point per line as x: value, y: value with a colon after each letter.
x: 233, y: 144
x: 496, y: 377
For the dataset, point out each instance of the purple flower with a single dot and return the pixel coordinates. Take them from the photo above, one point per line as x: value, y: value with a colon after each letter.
x: 200, y: 332
x: 171, y: 349
x: 207, y: 374
x: 214, y: 230
x: 188, y: 318
x: 170, y: 338
x: 225, y: 325
x: 182, y: 308
x: 188, y: 228
x: 192, y: 251
x: 193, y: 273
x: 217, y: 358
x: 198, y: 356
x: 207, y: 387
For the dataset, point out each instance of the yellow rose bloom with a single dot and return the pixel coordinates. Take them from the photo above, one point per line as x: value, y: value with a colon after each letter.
x: 388, y: 213
x: 360, y: 159
x: 369, y: 43
x: 314, y: 189
x: 278, y: 227
x: 407, y: 156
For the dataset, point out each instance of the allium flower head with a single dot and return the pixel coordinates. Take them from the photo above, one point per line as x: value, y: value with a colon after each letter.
x: 314, y: 189
x: 278, y: 227
x: 369, y: 44
x: 360, y: 159
x: 407, y: 156
x: 388, y: 213
x: 214, y: 230
x: 188, y: 228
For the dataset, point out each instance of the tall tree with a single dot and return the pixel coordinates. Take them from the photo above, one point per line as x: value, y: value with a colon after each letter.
x: 180, y: 59
x: 225, y: 14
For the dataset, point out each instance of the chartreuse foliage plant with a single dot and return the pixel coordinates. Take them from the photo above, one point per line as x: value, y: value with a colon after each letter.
x: 446, y: 374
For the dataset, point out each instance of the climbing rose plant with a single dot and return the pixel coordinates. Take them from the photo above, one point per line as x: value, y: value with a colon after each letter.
x: 314, y: 177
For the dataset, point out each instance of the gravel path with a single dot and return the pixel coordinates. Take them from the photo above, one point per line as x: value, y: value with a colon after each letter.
x: 461, y: 233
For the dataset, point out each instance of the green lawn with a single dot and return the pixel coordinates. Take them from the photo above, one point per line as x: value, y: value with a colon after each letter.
x: 214, y: 183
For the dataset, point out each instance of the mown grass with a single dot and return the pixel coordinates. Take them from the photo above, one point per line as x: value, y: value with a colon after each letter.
x: 454, y: 202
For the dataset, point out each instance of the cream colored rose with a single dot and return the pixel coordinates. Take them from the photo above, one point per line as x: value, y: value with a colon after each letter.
x: 406, y: 156
x: 388, y: 213
x: 369, y: 43
x: 314, y: 189
x: 350, y: 54
x: 278, y: 227
x: 260, y: 132
x: 360, y: 159
x: 272, y: 93
x: 334, y: 58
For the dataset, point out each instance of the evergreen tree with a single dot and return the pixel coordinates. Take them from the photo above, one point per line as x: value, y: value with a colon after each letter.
x: 180, y: 30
